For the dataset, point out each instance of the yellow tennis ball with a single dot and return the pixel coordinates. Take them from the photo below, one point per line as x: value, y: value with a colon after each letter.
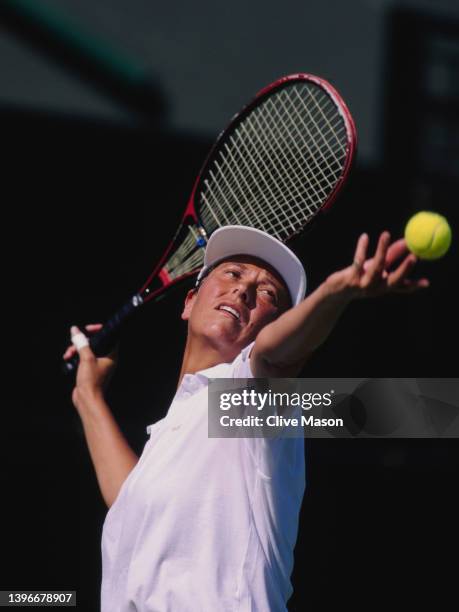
x: 428, y: 235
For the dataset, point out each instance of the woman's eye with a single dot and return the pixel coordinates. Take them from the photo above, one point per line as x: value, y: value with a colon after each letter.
x: 233, y: 272
x: 268, y: 292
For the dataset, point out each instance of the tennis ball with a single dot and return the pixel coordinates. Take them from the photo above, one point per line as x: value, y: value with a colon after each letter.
x: 428, y: 235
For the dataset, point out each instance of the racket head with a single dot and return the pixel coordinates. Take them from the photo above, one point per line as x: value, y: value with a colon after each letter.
x: 308, y: 133
x: 281, y: 161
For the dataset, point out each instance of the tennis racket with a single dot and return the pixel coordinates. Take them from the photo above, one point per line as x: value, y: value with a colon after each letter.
x: 282, y: 159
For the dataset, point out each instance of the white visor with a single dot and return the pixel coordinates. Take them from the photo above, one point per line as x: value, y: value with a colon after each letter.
x: 241, y: 240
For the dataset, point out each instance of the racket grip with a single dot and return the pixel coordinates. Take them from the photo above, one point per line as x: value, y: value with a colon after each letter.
x: 105, y: 339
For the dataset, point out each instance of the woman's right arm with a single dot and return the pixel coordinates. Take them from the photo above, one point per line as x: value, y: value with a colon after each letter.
x: 111, y: 455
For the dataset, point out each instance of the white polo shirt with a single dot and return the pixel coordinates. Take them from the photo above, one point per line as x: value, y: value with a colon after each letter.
x: 204, y: 524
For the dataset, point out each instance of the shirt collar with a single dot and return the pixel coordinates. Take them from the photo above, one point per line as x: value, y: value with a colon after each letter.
x: 192, y: 383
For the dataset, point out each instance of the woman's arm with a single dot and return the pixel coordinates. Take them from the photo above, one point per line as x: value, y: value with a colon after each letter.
x: 111, y: 455
x: 282, y: 347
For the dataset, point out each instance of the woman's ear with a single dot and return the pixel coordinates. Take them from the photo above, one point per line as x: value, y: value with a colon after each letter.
x: 188, y: 305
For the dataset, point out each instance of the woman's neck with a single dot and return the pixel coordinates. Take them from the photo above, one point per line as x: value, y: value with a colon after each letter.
x: 199, y: 355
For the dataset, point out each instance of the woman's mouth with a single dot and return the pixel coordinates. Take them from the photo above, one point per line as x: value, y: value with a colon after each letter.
x: 230, y: 311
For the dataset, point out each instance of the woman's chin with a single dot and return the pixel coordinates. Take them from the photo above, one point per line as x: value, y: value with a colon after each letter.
x: 222, y: 332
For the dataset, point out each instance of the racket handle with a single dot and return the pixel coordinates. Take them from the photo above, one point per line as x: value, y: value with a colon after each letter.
x: 105, y: 339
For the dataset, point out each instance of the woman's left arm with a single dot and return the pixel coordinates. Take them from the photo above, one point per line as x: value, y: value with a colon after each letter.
x: 282, y: 347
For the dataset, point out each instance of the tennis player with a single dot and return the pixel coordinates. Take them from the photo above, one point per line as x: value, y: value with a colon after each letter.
x: 203, y: 524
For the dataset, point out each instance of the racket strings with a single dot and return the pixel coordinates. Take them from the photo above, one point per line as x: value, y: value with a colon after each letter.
x: 315, y: 142
x: 250, y: 183
x: 191, y: 264
x: 279, y: 165
x: 229, y: 173
x: 279, y: 113
x: 188, y: 257
x: 280, y: 155
x: 331, y: 161
x: 261, y: 166
x: 293, y: 155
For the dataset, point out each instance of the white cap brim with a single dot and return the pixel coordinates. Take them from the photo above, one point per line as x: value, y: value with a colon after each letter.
x: 241, y: 240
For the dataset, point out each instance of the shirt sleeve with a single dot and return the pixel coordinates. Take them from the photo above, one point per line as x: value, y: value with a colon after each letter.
x: 241, y: 365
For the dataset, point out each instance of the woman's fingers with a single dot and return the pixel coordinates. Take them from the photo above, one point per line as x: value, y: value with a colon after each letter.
x: 399, y: 278
x: 395, y: 251
x: 360, y: 254
x: 81, y: 343
x: 375, y: 276
x: 375, y: 269
x: 400, y: 274
x: 71, y: 350
x: 408, y: 286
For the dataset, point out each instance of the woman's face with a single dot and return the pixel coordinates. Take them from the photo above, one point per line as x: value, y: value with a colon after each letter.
x: 234, y: 302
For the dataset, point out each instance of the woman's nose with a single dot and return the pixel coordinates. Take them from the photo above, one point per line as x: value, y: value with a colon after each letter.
x: 245, y: 291
x: 242, y: 292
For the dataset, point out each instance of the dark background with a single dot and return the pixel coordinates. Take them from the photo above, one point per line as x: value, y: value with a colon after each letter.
x: 96, y: 173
